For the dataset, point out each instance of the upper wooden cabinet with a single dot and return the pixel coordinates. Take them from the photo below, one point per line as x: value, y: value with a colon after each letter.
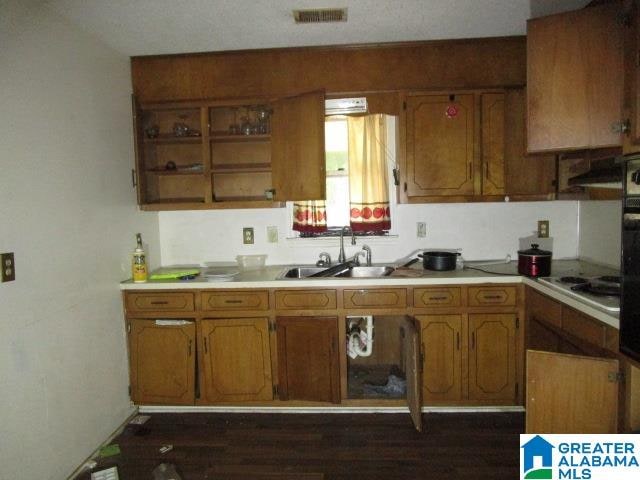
x: 631, y: 139
x: 440, y: 145
x: 229, y: 154
x: 470, y: 145
x: 574, y: 79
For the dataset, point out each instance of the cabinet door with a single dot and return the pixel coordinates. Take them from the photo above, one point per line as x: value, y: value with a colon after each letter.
x: 572, y: 102
x: 441, y: 346
x: 139, y: 178
x: 570, y: 394
x: 297, y: 145
x: 492, y: 356
x: 439, y: 145
x: 493, y: 137
x: 631, y: 141
x: 413, y: 369
x: 236, y: 360
x: 162, y: 361
x: 525, y: 175
x: 308, y: 367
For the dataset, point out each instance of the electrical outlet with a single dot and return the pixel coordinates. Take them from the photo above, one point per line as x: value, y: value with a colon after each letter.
x: 8, y: 267
x: 421, y: 229
x: 543, y: 228
x: 247, y: 235
x: 272, y: 234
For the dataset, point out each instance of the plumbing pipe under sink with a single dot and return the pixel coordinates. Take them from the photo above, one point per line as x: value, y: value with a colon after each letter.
x: 356, y: 337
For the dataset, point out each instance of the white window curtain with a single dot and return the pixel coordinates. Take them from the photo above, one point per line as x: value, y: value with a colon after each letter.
x: 368, y: 179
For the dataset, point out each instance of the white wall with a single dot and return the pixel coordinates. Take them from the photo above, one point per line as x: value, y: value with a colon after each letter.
x: 68, y: 212
x: 481, y: 230
x: 600, y: 232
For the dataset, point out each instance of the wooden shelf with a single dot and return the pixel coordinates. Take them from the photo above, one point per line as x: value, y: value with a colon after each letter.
x: 219, y: 137
x: 161, y: 139
x: 241, y: 168
x: 174, y: 172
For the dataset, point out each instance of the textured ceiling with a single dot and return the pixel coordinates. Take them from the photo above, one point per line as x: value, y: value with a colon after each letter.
x: 148, y: 27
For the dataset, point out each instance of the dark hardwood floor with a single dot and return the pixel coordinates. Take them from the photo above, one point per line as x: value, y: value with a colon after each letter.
x: 329, y: 447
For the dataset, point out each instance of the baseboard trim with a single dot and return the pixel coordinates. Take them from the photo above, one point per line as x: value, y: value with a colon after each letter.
x: 228, y: 409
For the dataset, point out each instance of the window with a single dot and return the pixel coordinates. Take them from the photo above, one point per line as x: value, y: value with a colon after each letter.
x: 359, y: 192
x: 336, y: 146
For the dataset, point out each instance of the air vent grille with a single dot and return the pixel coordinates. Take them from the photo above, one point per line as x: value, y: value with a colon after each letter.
x: 633, y: 203
x: 320, y: 15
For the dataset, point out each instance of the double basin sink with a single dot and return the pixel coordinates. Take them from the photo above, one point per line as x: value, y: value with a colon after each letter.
x: 345, y: 270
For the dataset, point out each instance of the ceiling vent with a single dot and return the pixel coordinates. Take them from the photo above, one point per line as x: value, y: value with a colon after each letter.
x: 320, y: 15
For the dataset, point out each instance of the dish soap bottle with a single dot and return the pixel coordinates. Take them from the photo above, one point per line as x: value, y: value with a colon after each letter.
x: 139, y: 262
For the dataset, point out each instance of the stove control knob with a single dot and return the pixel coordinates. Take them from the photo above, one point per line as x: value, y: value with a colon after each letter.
x: 635, y: 177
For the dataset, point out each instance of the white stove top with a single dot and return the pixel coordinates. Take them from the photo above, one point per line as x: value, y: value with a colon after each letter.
x: 609, y: 303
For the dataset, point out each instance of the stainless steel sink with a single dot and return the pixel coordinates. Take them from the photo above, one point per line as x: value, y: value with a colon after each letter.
x: 300, y: 272
x: 351, y: 272
x: 368, y: 272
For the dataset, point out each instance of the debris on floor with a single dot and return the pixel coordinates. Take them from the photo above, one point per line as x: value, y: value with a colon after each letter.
x: 166, y: 471
x: 166, y: 448
x: 139, y: 419
x: 106, y: 474
x: 109, y: 450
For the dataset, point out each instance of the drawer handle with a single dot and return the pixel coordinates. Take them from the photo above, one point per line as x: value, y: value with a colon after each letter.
x: 493, y: 297
x: 233, y: 301
x: 206, y: 350
x: 458, y: 340
x: 473, y: 340
x: 438, y: 298
x: 160, y: 302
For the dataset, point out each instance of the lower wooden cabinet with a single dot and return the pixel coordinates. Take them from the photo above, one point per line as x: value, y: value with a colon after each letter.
x: 441, y: 337
x: 573, y: 372
x: 162, y: 361
x: 492, y: 356
x: 308, y: 363
x: 236, y: 360
x: 469, y: 357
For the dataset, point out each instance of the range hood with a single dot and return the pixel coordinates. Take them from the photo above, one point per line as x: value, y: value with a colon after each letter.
x: 605, y: 173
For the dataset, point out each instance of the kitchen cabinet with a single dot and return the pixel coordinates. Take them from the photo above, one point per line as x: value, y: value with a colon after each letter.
x: 162, y: 361
x: 236, y: 360
x: 469, y: 357
x: 439, y: 138
x: 574, y: 79
x: 631, y: 105
x: 471, y: 145
x: 441, y: 337
x: 492, y: 356
x: 229, y: 154
x: 572, y: 371
x: 308, y: 362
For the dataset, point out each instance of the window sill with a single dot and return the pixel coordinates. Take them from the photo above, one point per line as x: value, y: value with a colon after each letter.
x: 335, y: 241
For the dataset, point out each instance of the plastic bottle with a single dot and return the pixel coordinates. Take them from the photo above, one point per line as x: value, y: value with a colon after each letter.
x: 139, y: 262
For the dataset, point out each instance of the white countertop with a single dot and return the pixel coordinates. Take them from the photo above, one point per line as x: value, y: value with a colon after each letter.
x: 500, y: 273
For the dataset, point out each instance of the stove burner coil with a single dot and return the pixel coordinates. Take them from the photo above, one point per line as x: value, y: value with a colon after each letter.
x: 574, y: 280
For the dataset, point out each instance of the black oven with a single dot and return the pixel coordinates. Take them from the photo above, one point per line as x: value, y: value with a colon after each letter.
x: 630, y: 261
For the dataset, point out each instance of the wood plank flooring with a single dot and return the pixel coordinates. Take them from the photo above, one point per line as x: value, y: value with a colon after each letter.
x: 322, y: 447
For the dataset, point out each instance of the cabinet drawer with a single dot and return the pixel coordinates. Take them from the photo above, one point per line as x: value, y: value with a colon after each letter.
x: 375, y: 298
x: 583, y: 327
x: 436, y: 297
x: 481, y: 296
x: 303, y: 299
x: 164, y: 302
x: 543, y: 308
x: 236, y: 300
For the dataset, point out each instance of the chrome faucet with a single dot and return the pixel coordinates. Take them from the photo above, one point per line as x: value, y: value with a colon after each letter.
x: 342, y: 257
x: 356, y: 257
x: 325, y: 260
x: 367, y: 250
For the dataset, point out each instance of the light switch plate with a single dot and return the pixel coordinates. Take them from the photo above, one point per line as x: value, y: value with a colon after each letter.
x: 421, y: 229
x: 247, y: 235
x: 8, y: 267
x: 272, y: 234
